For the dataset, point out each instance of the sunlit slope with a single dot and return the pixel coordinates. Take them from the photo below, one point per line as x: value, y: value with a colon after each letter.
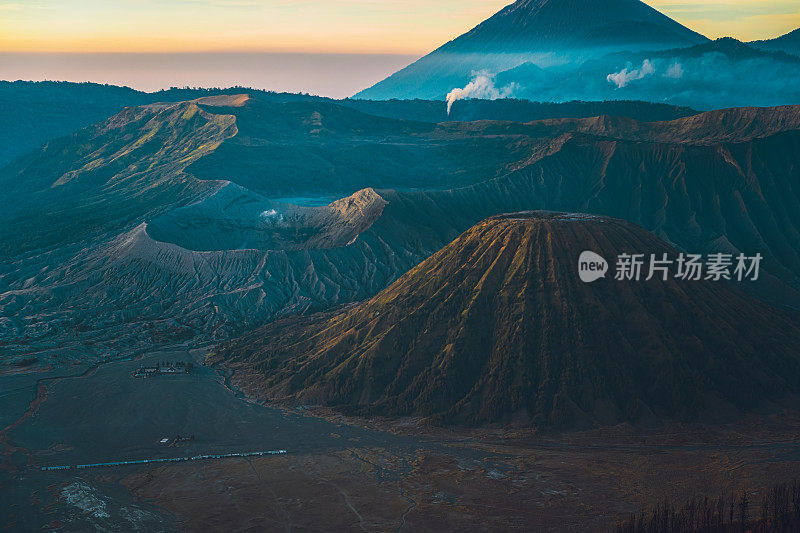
x: 137, y: 231
x: 729, y: 197
x: 109, y: 175
x: 498, y: 327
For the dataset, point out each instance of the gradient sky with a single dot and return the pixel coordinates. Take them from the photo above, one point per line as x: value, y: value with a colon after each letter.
x: 342, y: 26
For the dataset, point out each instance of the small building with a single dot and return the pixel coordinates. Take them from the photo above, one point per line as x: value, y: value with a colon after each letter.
x: 146, y: 372
x: 162, y: 368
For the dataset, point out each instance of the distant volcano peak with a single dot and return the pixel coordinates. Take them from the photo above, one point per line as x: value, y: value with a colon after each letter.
x: 528, y: 25
x: 562, y: 30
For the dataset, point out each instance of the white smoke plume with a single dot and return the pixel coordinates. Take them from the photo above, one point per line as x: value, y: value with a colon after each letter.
x: 675, y: 71
x: 271, y: 216
x: 625, y: 76
x: 481, y: 87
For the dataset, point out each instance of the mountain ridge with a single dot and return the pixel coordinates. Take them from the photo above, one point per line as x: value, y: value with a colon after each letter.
x: 38, y: 112
x: 704, y: 189
x: 789, y: 43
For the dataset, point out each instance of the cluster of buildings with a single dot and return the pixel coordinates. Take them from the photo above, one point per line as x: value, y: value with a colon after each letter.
x: 163, y: 368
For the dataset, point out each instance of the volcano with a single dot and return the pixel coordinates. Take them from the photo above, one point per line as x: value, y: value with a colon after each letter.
x: 544, y: 32
x: 497, y: 327
x: 537, y: 25
x: 196, y: 218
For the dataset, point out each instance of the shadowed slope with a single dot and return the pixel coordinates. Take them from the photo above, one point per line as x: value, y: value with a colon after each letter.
x: 725, y: 125
x: 729, y: 197
x: 497, y: 327
x: 214, y: 257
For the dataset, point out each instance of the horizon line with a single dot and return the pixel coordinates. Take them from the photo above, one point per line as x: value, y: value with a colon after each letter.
x: 223, y: 51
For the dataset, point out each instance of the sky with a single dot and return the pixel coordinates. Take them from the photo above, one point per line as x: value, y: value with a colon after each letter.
x: 410, y: 27
x: 326, y: 47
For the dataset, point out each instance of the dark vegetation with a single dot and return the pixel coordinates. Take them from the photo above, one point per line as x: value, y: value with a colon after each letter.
x: 776, y: 510
x: 26, y: 361
x: 526, y: 111
x: 516, y: 110
x: 789, y: 43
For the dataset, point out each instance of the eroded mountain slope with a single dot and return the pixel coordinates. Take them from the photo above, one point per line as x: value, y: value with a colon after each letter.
x: 221, y: 257
x: 109, y: 175
x: 498, y: 327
